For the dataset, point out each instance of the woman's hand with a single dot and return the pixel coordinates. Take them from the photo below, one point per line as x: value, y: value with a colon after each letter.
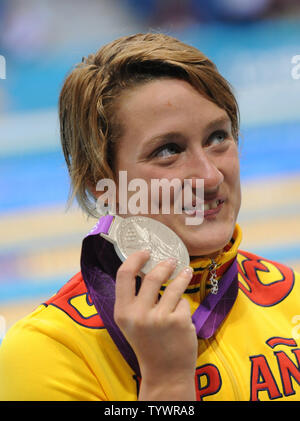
x: 160, y: 332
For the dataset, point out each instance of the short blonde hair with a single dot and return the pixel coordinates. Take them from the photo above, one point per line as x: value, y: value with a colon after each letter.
x: 89, y: 126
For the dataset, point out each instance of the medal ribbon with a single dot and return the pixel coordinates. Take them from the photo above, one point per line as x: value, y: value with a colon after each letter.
x: 215, y: 307
x: 99, y: 266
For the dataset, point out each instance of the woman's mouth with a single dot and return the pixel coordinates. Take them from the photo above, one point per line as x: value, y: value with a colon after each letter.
x: 213, y: 207
x: 210, y: 208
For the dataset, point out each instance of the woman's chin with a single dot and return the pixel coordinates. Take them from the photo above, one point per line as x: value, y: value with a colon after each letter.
x: 207, y: 242
x: 205, y: 251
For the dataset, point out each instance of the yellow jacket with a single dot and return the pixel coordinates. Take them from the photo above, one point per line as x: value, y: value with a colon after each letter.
x: 62, y: 351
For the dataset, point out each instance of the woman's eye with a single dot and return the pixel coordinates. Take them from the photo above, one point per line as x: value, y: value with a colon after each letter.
x: 217, y: 137
x: 167, y: 150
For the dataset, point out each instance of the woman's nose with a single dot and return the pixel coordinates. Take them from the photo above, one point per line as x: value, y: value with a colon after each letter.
x: 201, y: 166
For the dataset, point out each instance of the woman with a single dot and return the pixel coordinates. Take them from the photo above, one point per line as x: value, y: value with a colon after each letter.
x: 155, y: 108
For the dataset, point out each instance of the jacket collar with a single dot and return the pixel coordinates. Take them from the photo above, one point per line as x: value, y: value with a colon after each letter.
x: 201, y: 265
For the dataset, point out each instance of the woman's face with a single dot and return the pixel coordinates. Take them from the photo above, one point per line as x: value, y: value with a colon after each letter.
x: 171, y: 131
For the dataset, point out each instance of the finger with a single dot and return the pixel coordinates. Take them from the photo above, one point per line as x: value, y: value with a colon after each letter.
x: 172, y: 294
x: 153, y: 281
x: 183, y: 313
x: 183, y: 309
x: 126, y: 274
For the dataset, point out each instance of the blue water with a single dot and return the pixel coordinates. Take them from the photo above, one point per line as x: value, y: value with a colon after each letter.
x: 32, y: 180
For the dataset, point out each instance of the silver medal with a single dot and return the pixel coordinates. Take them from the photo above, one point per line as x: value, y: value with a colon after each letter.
x: 134, y: 233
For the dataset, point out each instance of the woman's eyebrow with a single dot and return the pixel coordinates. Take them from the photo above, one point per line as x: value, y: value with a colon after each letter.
x: 171, y: 136
x: 158, y: 140
x: 224, y: 119
x: 147, y: 147
x: 174, y: 136
x: 165, y: 137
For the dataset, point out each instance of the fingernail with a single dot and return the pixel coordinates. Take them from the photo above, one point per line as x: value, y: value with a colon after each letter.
x: 188, y: 271
x: 172, y: 261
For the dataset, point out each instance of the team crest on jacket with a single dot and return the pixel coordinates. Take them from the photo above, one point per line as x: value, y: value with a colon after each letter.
x: 265, y: 282
x: 75, y: 301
